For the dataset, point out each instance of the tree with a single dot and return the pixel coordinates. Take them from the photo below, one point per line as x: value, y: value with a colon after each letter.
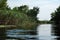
x: 3, y: 4
x: 15, y: 8
x: 33, y: 13
x: 56, y: 16
x: 23, y: 8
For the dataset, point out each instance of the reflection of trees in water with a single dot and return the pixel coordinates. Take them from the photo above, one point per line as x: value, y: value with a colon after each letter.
x: 56, y: 31
x: 2, y: 34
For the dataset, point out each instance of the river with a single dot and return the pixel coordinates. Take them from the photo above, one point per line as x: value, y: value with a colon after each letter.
x: 44, y: 32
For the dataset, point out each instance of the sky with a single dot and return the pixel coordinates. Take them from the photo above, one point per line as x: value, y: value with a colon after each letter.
x: 46, y: 7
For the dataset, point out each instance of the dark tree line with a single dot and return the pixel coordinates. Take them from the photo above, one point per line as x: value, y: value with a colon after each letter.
x: 56, y: 16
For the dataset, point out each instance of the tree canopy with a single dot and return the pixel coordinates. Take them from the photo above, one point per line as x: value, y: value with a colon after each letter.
x: 56, y: 16
x: 3, y: 4
x: 20, y: 16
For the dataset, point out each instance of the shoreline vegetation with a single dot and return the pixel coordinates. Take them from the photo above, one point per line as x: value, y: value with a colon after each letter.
x: 45, y: 22
x: 55, y: 16
x: 22, y: 17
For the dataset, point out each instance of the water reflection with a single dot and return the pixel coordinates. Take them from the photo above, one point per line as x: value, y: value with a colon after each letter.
x: 56, y: 30
x: 22, y: 34
x: 2, y: 34
x: 43, y: 32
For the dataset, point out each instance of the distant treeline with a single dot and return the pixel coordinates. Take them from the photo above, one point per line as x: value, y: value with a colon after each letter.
x: 45, y: 22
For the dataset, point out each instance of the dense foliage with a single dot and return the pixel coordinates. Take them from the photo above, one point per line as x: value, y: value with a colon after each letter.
x: 3, y: 4
x: 22, y: 17
x: 56, y: 16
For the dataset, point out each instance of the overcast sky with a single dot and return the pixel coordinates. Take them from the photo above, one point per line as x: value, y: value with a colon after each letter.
x: 46, y: 6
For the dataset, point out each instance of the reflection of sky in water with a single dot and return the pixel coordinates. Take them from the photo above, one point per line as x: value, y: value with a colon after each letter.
x: 44, y: 32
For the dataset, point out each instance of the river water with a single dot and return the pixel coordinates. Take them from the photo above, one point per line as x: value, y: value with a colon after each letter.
x: 44, y: 32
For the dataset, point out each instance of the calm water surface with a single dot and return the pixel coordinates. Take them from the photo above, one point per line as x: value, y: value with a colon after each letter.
x: 44, y: 32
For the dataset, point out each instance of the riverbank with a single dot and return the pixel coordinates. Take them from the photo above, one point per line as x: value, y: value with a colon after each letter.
x: 20, y: 19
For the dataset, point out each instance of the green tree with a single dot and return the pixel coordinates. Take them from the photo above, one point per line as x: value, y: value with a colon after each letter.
x: 23, y: 8
x: 56, y: 16
x: 32, y: 13
x: 3, y: 4
x: 22, y: 16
